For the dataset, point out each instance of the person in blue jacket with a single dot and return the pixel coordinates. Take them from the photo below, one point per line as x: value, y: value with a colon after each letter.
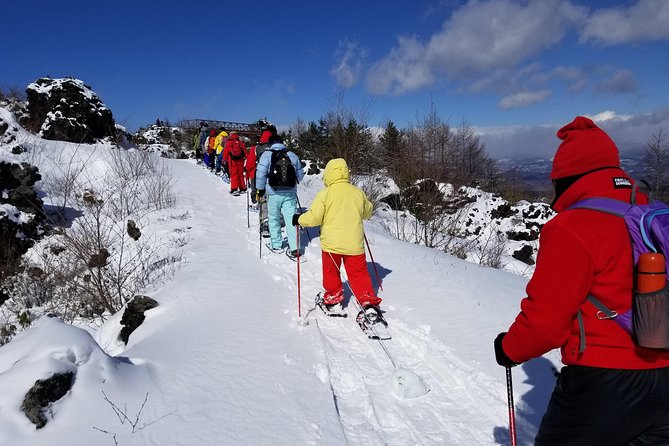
x: 281, y: 199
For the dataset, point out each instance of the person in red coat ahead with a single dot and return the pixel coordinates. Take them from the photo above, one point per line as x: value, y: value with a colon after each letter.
x: 611, y: 391
x: 234, y: 154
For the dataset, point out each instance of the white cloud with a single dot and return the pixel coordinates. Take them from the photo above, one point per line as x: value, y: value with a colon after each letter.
x: 609, y: 115
x: 644, y: 20
x: 349, y: 65
x: 620, y: 82
x: 575, y: 77
x: 523, y: 99
x: 630, y: 132
x: 480, y: 37
x: 404, y: 69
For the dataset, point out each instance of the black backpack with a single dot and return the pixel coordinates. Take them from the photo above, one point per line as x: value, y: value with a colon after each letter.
x: 281, y: 170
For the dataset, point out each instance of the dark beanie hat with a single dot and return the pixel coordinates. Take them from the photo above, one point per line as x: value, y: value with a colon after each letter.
x: 584, y: 148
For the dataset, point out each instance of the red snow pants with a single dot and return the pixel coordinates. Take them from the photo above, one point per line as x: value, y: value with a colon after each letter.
x: 358, y: 278
x: 237, y: 175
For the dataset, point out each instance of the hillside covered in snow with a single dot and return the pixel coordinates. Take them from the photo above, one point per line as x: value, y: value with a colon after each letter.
x: 231, y: 349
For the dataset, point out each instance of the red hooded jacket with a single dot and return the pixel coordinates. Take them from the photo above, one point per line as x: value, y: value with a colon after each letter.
x: 252, y: 157
x: 581, y: 252
x: 233, y: 139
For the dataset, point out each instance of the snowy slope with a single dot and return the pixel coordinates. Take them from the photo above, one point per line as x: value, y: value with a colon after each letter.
x: 223, y: 359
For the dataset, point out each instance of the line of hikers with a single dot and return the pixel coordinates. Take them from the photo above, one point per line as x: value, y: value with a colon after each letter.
x: 272, y: 172
x: 615, y: 391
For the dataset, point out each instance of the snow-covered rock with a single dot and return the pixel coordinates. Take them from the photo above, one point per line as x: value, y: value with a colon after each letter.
x: 68, y: 110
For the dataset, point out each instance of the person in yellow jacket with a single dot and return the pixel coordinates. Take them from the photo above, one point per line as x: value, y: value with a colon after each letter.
x: 221, y: 139
x: 339, y: 210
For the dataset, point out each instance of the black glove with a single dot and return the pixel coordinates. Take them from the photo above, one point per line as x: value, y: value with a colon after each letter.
x: 260, y: 193
x: 500, y: 356
x: 296, y: 217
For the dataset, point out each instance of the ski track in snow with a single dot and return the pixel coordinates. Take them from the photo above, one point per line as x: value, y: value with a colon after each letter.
x: 360, y: 372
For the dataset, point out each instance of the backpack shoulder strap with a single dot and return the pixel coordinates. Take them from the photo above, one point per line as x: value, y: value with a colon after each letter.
x: 602, y: 204
x: 603, y: 313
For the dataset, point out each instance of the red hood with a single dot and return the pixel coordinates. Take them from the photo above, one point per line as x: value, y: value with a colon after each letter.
x: 265, y: 136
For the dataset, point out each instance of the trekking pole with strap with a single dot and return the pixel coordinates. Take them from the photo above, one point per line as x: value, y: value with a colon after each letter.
x: 512, y: 413
x: 373, y: 262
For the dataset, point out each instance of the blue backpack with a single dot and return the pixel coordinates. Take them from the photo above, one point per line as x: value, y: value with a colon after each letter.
x: 647, y: 321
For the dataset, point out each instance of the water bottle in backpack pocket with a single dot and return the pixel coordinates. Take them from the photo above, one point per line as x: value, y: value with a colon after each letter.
x: 650, y: 307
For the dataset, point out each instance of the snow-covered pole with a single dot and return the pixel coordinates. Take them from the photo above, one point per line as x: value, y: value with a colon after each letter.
x: 512, y: 414
x: 378, y: 279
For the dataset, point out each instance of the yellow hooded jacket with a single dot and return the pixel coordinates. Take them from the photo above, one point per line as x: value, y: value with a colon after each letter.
x: 220, y: 142
x: 339, y: 210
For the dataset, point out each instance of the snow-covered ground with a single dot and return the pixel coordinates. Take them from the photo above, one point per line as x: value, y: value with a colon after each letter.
x: 223, y: 359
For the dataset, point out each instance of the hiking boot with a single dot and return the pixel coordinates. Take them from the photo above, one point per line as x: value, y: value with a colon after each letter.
x: 274, y: 250
x: 293, y: 254
x: 372, y: 313
x: 335, y: 308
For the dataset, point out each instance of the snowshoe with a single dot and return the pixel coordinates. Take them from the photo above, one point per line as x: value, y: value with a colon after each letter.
x: 372, y: 323
x: 274, y: 250
x: 293, y: 255
x: 335, y: 310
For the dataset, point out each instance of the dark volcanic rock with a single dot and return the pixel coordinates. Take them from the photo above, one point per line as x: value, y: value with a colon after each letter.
x: 67, y: 110
x: 133, y: 316
x: 524, y: 254
x: 43, y: 393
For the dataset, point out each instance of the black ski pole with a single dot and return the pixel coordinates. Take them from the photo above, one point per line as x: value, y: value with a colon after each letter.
x: 248, y: 217
x: 512, y: 413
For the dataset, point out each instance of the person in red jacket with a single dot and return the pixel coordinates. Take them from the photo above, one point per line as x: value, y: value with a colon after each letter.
x: 611, y: 391
x: 234, y: 154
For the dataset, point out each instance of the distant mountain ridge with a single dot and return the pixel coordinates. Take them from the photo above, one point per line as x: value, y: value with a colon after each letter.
x: 535, y: 171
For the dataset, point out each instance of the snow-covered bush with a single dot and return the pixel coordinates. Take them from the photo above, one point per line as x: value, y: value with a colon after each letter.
x: 92, y: 265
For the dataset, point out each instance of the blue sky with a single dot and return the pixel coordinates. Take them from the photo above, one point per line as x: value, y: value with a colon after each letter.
x: 515, y: 70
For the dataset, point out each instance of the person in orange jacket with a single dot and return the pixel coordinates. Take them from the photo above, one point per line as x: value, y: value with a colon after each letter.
x: 234, y: 155
x: 611, y: 391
